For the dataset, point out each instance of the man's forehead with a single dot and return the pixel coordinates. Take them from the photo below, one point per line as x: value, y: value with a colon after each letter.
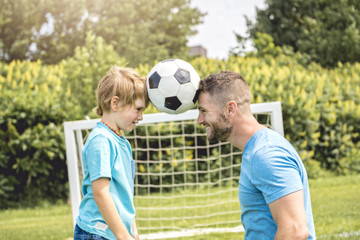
x: 203, y: 95
x: 205, y: 100
x: 202, y: 98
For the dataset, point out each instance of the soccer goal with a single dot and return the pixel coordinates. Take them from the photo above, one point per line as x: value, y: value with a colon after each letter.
x: 184, y: 185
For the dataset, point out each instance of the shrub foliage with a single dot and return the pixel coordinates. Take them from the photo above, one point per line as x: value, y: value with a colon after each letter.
x: 321, y: 113
x: 32, y: 153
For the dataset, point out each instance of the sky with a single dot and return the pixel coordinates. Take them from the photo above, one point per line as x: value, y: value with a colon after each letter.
x: 224, y: 17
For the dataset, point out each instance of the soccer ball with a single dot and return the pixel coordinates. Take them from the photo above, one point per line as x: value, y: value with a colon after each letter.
x: 172, y: 86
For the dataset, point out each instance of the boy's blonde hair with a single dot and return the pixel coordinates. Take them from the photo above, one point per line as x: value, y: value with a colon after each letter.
x: 125, y: 83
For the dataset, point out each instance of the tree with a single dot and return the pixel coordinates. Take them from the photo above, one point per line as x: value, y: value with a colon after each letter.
x: 63, y: 31
x: 144, y: 30
x: 19, y: 20
x: 327, y: 30
x: 84, y: 70
x: 140, y: 30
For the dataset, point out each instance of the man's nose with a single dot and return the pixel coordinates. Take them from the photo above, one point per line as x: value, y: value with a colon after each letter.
x: 200, y: 119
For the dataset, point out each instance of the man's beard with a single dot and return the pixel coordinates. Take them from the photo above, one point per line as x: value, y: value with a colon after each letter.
x: 220, y: 130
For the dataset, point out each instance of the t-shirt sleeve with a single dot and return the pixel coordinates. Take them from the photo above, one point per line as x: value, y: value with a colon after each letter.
x: 97, y: 156
x: 275, y: 173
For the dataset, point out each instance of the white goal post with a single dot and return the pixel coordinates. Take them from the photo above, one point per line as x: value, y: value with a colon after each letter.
x: 184, y: 184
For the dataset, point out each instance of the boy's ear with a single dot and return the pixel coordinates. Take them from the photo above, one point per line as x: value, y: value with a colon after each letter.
x: 114, y: 103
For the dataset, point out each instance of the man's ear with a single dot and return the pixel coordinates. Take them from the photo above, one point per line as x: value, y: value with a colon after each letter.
x: 231, y: 108
x: 114, y: 103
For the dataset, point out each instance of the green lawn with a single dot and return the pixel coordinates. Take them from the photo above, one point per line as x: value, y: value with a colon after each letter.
x: 336, y: 208
x: 189, y: 208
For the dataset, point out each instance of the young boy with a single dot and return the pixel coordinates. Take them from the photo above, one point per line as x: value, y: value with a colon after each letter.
x: 107, y: 209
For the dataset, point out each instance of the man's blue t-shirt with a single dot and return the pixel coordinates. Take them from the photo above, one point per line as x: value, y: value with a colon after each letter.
x: 270, y: 169
x: 106, y: 155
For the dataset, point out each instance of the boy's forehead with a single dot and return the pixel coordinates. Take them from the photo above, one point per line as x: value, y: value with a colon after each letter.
x: 139, y: 102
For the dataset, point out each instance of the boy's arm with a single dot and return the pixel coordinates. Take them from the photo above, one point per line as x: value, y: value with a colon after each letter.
x: 108, y: 208
x: 289, y: 215
x: 135, y: 231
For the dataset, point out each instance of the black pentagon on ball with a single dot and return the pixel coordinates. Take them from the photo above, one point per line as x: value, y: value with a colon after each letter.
x: 196, y: 96
x: 172, y: 103
x: 182, y: 76
x: 154, y: 80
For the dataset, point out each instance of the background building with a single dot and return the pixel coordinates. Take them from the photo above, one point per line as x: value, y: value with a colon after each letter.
x: 198, y: 51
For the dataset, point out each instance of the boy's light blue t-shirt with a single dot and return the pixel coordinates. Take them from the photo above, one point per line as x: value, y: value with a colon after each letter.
x: 105, y: 155
x: 271, y: 168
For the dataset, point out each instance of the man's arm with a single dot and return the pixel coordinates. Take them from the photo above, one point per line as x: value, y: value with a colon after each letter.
x: 289, y: 215
x: 108, y: 208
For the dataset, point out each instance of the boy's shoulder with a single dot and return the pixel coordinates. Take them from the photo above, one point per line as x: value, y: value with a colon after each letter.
x: 98, y: 130
x: 98, y: 133
x: 101, y: 133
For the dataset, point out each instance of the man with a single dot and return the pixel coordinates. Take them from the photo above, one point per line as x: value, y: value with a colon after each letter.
x: 274, y: 192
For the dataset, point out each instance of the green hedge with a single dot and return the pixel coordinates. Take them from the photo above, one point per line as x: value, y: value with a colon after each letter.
x: 35, y: 101
x: 321, y: 107
x: 321, y: 112
x: 32, y: 155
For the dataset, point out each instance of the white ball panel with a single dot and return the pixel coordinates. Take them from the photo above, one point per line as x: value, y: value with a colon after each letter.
x: 168, y: 68
x: 195, y: 78
x: 186, y: 92
x: 156, y: 97
x: 184, y: 65
x: 169, y: 86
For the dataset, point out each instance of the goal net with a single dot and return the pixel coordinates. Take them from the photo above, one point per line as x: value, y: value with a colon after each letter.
x: 184, y: 185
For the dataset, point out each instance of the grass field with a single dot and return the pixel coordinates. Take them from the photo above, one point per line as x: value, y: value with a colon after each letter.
x: 335, y: 200
x: 205, y: 208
